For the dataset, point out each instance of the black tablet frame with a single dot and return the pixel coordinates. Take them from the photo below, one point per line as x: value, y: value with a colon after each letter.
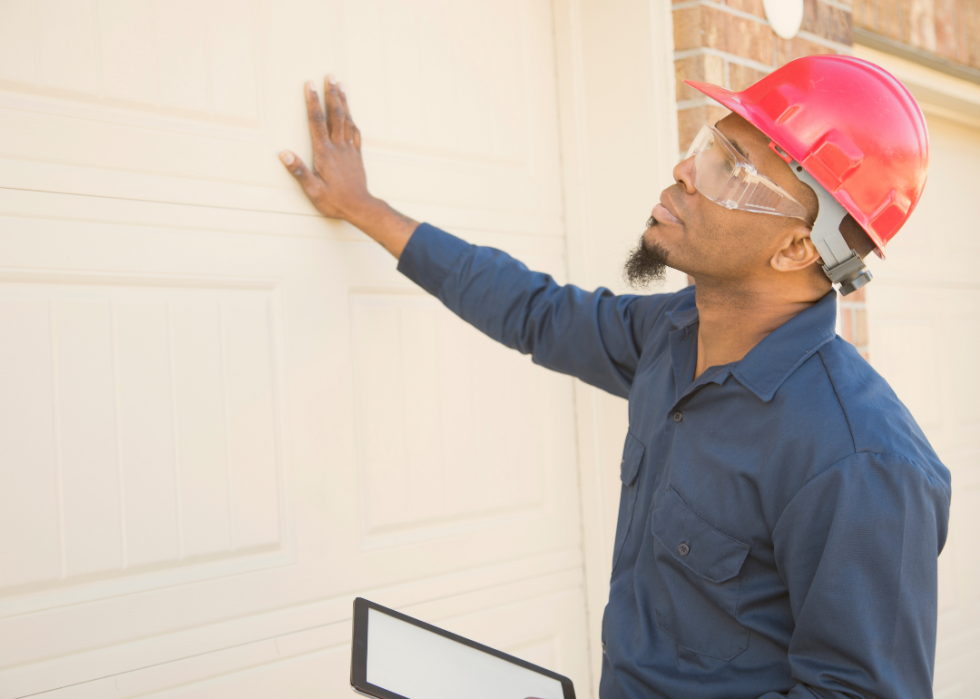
x: 359, y: 647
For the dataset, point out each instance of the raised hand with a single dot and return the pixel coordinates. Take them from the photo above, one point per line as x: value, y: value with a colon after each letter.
x: 337, y: 183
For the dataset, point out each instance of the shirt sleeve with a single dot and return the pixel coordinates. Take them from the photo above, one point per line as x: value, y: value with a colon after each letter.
x: 857, y: 548
x: 595, y: 336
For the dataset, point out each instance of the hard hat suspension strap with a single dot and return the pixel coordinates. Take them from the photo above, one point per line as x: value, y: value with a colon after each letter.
x: 841, y: 263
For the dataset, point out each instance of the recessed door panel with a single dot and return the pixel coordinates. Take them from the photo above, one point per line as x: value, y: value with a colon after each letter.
x: 225, y: 416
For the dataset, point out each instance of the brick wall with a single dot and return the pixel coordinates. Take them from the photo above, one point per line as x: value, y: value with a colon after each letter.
x: 730, y: 43
x: 949, y: 29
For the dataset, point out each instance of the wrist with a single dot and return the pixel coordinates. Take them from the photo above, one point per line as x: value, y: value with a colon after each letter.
x: 365, y: 211
x: 384, y: 225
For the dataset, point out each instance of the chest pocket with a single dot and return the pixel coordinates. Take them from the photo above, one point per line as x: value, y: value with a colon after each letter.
x: 699, y: 583
x: 629, y: 470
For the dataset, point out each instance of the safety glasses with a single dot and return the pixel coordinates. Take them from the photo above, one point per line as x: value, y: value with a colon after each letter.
x: 726, y: 178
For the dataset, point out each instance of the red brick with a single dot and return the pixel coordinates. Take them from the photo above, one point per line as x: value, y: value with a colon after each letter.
x: 922, y: 24
x: 962, y: 41
x: 864, y: 14
x: 828, y: 22
x: 704, y: 26
x: 753, y: 7
x: 846, y: 325
x: 786, y: 51
x: 860, y: 327
x: 743, y: 37
x: 690, y: 121
x: 705, y: 68
x: 973, y: 34
x: 947, y: 22
x: 889, y: 19
x: 688, y: 32
x: 740, y: 77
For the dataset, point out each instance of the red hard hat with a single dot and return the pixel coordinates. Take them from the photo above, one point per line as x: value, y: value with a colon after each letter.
x: 852, y: 125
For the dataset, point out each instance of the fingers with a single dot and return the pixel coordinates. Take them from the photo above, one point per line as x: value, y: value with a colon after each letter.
x: 351, y: 132
x: 318, y: 123
x: 336, y: 118
x: 311, y: 184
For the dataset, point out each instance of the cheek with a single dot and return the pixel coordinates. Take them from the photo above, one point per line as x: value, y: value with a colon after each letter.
x: 713, y: 227
x: 730, y: 238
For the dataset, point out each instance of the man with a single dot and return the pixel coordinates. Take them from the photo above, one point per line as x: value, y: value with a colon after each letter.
x: 781, y: 512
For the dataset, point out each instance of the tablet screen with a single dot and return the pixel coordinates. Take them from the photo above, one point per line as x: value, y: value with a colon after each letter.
x: 407, y: 659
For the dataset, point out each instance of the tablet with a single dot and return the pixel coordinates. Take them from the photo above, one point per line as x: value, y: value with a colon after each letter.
x: 397, y: 657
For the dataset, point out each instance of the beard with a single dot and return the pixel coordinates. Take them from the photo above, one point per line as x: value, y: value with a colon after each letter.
x: 647, y: 263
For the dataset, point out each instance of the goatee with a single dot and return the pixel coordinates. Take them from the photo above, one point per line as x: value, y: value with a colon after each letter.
x: 647, y: 263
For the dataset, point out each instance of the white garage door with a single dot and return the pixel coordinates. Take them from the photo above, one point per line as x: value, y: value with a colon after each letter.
x: 221, y: 416
x: 924, y: 318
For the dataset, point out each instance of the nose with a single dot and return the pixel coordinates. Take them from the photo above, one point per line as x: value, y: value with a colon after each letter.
x: 684, y: 173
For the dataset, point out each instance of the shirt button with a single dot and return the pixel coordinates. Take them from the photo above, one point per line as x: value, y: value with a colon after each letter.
x: 678, y: 416
x: 603, y: 646
x: 683, y: 549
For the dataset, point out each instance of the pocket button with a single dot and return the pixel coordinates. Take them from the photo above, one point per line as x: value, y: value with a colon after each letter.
x: 683, y: 549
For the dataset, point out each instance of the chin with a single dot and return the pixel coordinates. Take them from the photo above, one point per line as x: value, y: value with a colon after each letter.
x: 655, y: 234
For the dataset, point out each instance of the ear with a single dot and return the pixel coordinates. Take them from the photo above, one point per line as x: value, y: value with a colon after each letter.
x: 796, y: 252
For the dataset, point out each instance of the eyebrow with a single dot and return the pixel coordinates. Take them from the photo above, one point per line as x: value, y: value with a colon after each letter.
x: 735, y: 144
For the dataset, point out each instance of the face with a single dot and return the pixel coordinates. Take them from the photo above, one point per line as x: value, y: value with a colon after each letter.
x: 706, y: 240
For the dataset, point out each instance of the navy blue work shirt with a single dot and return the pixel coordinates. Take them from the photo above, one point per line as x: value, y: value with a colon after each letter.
x: 780, y: 517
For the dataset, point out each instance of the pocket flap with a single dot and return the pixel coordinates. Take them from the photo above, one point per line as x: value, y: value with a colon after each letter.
x: 632, y: 458
x: 695, y: 544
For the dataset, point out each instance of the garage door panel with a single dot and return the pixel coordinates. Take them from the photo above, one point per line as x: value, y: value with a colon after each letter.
x: 463, y: 111
x: 181, y: 333
x: 85, y: 414
x: 463, y: 74
x: 909, y: 342
x: 29, y: 490
x: 233, y: 413
x: 213, y: 107
x: 146, y: 431
x: 444, y: 457
x: 163, y: 57
x: 962, y: 336
x: 174, y: 659
x: 316, y: 662
x: 161, y: 412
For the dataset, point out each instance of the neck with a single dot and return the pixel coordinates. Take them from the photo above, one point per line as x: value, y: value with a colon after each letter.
x: 733, y: 320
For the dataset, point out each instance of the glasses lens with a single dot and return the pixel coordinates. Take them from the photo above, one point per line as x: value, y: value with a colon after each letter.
x: 724, y: 178
x: 714, y: 167
x: 703, y: 141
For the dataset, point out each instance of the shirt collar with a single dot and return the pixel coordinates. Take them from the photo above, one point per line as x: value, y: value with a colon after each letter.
x: 764, y: 369
x: 686, y: 314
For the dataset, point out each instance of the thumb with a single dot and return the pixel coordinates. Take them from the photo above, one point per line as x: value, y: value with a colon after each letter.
x: 311, y: 184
